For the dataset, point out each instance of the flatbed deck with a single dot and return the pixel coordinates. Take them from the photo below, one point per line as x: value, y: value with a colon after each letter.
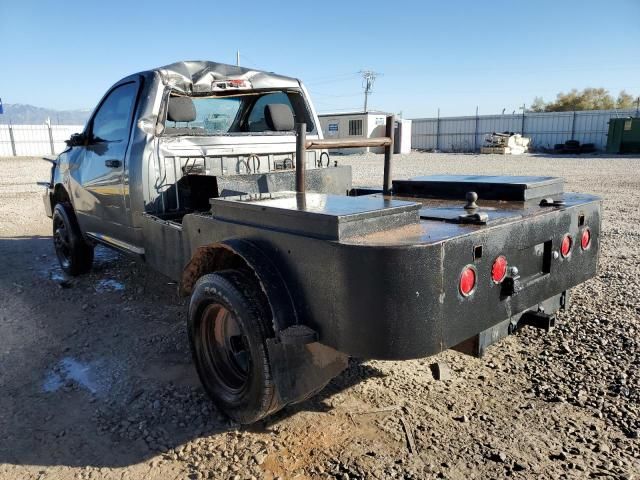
x: 377, y: 219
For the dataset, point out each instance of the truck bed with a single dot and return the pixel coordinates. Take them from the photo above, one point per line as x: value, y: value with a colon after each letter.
x: 378, y: 276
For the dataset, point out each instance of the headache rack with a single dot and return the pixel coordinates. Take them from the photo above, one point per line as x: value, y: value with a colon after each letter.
x: 302, y: 145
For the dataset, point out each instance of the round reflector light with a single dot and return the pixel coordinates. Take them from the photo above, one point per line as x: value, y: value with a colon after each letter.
x: 467, y: 281
x: 565, y: 246
x: 499, y: 269
x: 585, y: 241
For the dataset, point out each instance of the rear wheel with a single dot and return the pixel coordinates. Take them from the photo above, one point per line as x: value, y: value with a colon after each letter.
x: 228, y: 328
x: 74, y: 254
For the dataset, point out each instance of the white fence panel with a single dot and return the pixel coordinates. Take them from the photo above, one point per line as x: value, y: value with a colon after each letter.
x: 424, y: 134
x: 5, y: 141
x: 545, y: 130
x: 31, y: 140
x: 35, y: 140
x: 467, y: 134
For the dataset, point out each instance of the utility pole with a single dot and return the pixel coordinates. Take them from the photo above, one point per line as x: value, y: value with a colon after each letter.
x: 238, y: 58
x: 368, y: 79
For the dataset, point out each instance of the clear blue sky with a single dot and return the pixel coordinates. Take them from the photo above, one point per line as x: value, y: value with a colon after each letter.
x: 455, y: 55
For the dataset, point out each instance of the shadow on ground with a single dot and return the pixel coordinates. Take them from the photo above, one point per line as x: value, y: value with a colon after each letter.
x: 96, y: 370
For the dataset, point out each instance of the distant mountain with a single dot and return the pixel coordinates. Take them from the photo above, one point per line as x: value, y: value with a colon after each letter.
x: 20, y: 114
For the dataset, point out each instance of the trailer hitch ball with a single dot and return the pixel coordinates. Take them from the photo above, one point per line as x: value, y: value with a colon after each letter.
x: 472, y: 198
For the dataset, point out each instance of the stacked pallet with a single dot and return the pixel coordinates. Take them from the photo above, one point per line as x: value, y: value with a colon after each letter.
x: 506, y: 143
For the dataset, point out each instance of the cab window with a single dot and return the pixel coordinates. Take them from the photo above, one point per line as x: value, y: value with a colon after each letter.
x: 237, y: 114
x: 256, y: 121
x: 111, y: 121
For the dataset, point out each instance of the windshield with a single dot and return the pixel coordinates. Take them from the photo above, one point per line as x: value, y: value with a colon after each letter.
x: 225, y: 115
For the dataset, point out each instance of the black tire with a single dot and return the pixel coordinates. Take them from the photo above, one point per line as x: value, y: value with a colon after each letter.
x: 228, y: 328
x: 587, y: 148
x: 74, y: 254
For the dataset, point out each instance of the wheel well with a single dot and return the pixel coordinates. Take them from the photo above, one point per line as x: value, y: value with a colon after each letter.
x: 211, y: 259
x: 237, y: 254
x: 60, y: 195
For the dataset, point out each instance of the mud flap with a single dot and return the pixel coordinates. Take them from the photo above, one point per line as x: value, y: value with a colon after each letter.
x: 299, y: 371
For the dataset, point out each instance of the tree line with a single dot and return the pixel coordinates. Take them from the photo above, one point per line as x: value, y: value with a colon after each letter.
x: 587, y: 99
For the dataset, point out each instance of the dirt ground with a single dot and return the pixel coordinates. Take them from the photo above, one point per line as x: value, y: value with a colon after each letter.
x: 96, y: 380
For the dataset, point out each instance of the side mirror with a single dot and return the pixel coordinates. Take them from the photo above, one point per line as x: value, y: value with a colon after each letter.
x: 76, y: 140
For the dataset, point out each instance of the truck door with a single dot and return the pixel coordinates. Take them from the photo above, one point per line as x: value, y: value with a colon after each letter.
x: 97, y: 185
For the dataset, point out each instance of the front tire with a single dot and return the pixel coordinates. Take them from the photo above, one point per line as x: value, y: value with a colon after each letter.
x: 228, y: 328
x: 74, y: 254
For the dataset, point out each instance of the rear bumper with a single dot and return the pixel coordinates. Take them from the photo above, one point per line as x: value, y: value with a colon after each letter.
x: 541, y: 316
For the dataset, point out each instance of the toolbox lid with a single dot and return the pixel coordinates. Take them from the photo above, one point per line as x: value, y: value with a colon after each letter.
x: 317, y: 215
x: 488, y: 187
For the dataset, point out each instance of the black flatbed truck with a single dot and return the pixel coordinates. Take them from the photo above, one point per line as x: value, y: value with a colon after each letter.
x: 290, y: 269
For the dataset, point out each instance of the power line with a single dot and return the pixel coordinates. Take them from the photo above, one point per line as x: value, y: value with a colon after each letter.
x: 330, y: 95
x: 324, y: 111
x: 332, y: 79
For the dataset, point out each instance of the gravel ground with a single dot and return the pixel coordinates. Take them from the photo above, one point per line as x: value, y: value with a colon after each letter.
x: 97, y: 380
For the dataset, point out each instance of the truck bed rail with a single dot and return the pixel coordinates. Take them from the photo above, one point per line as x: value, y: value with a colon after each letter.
x: 347, y: 143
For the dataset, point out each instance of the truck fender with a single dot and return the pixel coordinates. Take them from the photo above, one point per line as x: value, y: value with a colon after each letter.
x: 59, y: 194
x: 55, y: 194
x: 301, y: 366
x: 239, y: 253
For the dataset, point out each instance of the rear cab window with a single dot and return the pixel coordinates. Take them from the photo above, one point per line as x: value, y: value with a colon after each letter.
x: 242, y: 114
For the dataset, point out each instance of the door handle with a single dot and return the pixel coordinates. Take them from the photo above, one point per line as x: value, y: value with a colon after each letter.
x: 112, y: 163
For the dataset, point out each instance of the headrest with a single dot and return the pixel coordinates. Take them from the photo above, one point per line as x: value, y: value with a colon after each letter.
x: 279, y: 117
x: 181, y: 109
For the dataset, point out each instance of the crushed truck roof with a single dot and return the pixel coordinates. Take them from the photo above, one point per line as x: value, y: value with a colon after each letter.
x: 193, y: 77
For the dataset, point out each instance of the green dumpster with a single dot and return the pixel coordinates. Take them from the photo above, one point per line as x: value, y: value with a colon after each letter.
x: 624, y: 135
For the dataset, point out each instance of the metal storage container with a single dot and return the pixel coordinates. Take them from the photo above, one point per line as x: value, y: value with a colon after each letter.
x: 624, y: 135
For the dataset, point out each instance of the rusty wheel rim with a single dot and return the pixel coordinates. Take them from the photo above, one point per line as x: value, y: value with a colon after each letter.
x: 225, y: 349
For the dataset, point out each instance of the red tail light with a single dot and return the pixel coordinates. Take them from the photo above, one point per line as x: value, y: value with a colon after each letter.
x: 499, y: 269
x: 467, y: 281
x: 565, y: 246
x: 585, y: 241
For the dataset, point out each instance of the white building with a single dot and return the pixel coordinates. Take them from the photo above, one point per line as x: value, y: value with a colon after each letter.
x: 369, y: 124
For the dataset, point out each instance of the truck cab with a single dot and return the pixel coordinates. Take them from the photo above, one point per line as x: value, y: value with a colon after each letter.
x: 157, y: 139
